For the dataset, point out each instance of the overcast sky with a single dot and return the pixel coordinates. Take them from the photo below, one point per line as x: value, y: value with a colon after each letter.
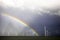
x: 41, y: 5
x: 32, y: 11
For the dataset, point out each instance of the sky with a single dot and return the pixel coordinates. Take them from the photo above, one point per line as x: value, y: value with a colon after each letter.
x: 33, y: 5
x: 33, y: 12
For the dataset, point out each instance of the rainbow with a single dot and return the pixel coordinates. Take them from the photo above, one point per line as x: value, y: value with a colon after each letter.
x: 20, y: 21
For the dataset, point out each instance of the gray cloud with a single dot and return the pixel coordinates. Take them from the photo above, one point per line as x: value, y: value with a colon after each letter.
x: 33, y: 13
